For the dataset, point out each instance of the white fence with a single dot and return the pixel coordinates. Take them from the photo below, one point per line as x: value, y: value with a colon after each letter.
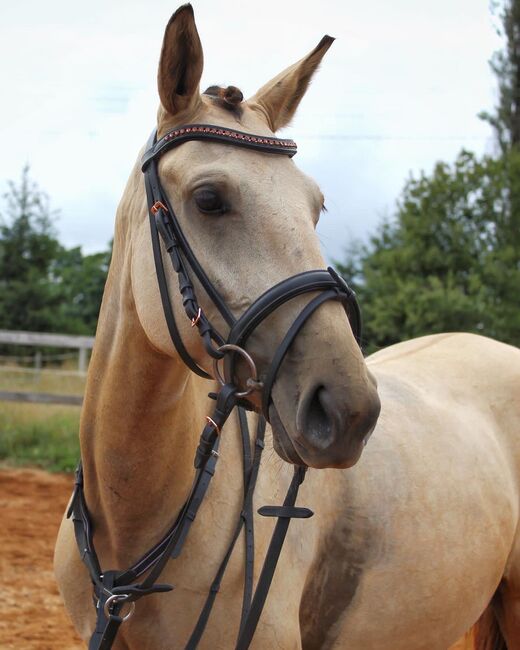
x: 81, y: 343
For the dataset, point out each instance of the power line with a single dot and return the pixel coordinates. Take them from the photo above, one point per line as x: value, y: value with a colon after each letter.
x: 376, y: 137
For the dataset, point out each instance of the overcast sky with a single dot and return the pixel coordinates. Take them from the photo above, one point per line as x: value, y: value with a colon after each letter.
x: 399, y: 89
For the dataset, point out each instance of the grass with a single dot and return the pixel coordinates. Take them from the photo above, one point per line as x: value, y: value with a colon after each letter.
x: 41, y: 435
x: 45, y: 381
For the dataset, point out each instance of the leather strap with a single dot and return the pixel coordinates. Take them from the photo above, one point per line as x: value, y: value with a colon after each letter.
x: 274, y: 297
x: 165, y: 297
x: 271, y: 560
x: 106, y: 627
x: 332, y: 287
x: 288, y: 512
x: 155, y: 560
x: 117, y: 582
x: 248, y: 517
x: 283, y: 348
x: 245, y: 520
x: 222, y: 135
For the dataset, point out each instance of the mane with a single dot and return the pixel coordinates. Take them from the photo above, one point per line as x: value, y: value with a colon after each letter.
x: 228, y: 98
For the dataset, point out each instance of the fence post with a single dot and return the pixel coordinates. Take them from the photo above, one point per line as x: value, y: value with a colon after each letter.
x: 37, y: 365
x: 38, y: 360
x: 82, y: 360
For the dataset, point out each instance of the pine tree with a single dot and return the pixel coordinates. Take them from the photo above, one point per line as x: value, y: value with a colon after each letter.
x: 28, y: 248
x: 505, y: 64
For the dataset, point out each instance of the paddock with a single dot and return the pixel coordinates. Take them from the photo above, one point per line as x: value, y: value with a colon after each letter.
x: 32, y: 616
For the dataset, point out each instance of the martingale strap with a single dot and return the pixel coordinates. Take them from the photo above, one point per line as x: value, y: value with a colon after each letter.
x: 120, y: 587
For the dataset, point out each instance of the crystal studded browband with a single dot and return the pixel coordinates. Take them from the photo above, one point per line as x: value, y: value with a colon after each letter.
x: 261, y: 143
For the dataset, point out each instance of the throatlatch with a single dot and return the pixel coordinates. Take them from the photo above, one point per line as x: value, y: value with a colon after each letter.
x: 115, y: 592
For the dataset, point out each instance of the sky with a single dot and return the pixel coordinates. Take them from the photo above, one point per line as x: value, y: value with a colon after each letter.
x: 399, y: 89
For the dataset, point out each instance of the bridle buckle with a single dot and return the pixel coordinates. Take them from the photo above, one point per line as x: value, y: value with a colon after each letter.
x: 158, y: 205
x: 196, y: 318
x: 213, y: 424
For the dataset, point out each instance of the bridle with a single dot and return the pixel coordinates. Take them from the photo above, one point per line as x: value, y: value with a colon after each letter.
x: 115, y: 589
x: 164, y: 222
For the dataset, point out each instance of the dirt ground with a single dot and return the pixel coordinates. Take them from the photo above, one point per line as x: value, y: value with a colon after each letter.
x: 32, y: 616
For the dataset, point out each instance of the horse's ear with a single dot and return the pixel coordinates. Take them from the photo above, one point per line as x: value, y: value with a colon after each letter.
x: 181, y: 63
x: 280, y: 97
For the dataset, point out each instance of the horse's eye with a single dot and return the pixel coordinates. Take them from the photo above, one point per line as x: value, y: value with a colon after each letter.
x: 209, y: 201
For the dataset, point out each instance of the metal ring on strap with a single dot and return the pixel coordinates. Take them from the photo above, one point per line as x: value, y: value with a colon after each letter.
x: 252, y: 382
x: 115, y: 598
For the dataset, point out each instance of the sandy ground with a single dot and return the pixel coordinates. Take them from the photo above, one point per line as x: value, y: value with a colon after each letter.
x: 32, y: 616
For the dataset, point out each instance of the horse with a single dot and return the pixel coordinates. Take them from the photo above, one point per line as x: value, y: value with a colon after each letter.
x: 412, y: 454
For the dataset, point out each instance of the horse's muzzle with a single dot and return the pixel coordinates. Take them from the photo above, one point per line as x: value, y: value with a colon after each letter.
x: 330, y: 430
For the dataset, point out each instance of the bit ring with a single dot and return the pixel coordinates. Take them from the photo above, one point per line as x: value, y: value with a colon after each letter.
x: 252, y: 382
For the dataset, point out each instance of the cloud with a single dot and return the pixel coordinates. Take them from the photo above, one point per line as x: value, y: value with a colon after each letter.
x: 399, y: 89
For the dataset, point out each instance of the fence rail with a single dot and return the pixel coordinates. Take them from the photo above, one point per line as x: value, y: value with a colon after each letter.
x: 43, y: 339
x: 46, y: 340
x: 57, y: 372
x: 40, y: 398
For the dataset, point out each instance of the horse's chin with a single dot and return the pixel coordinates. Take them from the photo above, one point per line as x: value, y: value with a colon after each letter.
x: 294, y: 452
x: 282, y: 442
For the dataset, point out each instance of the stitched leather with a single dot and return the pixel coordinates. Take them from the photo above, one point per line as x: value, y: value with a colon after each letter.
x: 222, y: 135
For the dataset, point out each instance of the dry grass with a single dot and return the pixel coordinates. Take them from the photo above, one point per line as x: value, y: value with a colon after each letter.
x: 66, y: 382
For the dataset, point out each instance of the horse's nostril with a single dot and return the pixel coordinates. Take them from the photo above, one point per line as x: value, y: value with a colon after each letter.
x: 318, y: 424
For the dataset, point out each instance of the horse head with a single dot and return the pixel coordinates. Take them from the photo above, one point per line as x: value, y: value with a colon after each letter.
x: 250, y: 220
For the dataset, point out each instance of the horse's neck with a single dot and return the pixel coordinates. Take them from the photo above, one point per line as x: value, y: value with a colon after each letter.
x: 141, y: 419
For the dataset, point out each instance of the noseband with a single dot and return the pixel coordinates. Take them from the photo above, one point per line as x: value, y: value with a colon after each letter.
x: 164, y: 223
x: 115, y: 590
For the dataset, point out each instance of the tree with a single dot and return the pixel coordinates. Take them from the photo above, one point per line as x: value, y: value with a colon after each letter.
x: 449, y: 261
x: 450, y: 258
x: 44, y: 287
x: 506, y: 65
x: 82, y: 280
x: 28, y: 247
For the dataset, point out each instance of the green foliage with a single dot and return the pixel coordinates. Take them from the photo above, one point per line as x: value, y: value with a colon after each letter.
x: 505, y: 119
x: 27, y: 249
x: 82, y: 280
x: 40, y: 434
x: 49, y: 441
x: 43, y: 286
x: 450, y: 260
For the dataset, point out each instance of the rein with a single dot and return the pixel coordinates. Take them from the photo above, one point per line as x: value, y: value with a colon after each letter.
x: 114, y: 590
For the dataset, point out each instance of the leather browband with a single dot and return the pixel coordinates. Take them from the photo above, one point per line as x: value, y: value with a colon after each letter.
x: 261, y: 143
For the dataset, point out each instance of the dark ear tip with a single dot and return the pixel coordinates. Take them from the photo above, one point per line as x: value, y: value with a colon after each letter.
x: 326, y: 41
x: 323, y: 45
x: 186, y: 8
